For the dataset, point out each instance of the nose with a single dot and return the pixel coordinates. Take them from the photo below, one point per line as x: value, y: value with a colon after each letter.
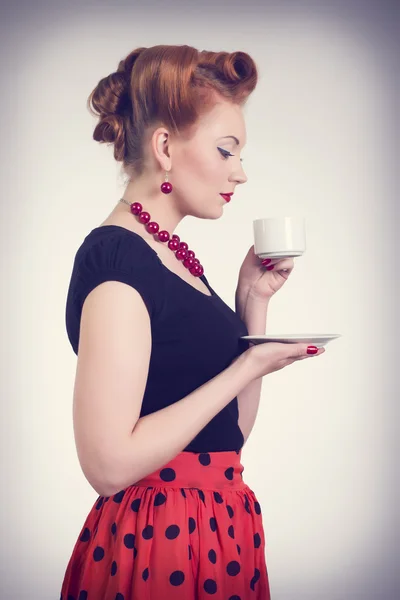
x: 239, y: 176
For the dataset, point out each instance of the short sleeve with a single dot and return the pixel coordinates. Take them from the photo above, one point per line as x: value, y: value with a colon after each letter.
x: 118, y: 256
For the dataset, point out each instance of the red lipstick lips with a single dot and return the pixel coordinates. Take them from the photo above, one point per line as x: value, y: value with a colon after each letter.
x: 227, y: 197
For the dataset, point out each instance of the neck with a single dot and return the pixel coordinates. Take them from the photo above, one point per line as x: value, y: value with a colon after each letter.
x: 162, y: 207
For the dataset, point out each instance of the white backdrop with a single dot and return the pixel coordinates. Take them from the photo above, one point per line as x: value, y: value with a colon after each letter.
x: 322, y: 457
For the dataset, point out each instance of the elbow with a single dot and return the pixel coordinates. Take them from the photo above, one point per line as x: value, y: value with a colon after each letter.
x: 105, y: 481
x: 108, y: 477
x: 102, y: 486
x: 107, y: 472
x: 107, y: 487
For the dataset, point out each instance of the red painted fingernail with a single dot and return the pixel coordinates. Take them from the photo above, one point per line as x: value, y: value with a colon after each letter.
x: 270, y: 267
x: 312, y: 349
x: 266, y: 261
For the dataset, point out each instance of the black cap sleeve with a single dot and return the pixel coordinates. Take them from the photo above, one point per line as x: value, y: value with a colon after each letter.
x: 115, y: 257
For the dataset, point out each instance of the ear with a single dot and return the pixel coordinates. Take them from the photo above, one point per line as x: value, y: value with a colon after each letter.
x: 161, y: 148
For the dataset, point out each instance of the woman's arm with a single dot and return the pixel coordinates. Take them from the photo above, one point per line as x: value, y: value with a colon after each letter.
x: 115, y: 447
x: 254, y: 315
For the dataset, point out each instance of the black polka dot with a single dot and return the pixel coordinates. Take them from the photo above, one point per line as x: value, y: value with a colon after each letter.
x: 167, y: 474
x: 85, y: 537
x: 136, y: 505
x: 192, y: 524
x: 218, y: 498
x: 114, y: 568
x: 210, y: 586
x: 238, y: 549
x: 83, y: 595
x: 147, y: 532
x: 202, y: 496
x: 257, y: 540
x: 247, y: 506
x: 172, y: 532
x: 183, y: 492
x: 235, y: 598
x: 135, y: 552
x: 213, y: 524
x: 229, y: 473
x: 114, y: 528
x: 231, y: 532
x: 98, y: 553
x: 70, y: 597
x: 177, y: 578
x: 190, y: 552
x: 145, y: 574
x: 255, y: 579
x: 233, y: 568
x: 257, y: 508
x: 129, y: 540
x: 204, y: 459
x: 119, y: 597
x: 99, y: 503
x: 106, y: 499
x: 230, y: 511
x: 119, y: 496
x: 159, y: 499
x: 212, y: 556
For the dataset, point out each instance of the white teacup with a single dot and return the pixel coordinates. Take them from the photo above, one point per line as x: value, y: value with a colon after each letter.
x: 279, y: 237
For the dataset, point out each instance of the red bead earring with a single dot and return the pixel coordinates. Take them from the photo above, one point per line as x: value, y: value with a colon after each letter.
x: 166, y: 187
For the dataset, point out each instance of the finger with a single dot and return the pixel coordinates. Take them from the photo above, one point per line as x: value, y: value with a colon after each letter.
x: 279, y: 265
x: 320, y: 351
x: 299, y: 350
x: 277, y: 261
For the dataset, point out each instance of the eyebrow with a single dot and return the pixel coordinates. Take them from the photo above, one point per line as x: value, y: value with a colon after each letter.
x: 230, y: 136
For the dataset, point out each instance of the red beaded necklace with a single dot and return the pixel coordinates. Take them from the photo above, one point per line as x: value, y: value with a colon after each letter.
x: 181, y: 249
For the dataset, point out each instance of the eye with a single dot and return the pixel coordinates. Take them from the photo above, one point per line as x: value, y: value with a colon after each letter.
x: 226, y: 154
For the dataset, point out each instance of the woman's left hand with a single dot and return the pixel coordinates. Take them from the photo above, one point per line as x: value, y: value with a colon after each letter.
x: 260, y: 282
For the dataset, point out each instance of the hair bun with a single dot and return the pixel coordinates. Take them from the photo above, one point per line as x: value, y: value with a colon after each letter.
x: 110, y: 95
x: 111, y: 102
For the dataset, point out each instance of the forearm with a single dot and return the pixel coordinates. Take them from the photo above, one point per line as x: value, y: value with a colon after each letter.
x: 157, y: 438
x: 254, y: 315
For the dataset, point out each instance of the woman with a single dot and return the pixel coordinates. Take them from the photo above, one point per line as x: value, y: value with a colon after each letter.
x: 165, y: 394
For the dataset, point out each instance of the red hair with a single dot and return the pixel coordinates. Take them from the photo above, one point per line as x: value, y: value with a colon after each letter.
x: 165, y: 85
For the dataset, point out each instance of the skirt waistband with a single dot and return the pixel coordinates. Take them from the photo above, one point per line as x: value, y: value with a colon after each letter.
x: 207, y: 470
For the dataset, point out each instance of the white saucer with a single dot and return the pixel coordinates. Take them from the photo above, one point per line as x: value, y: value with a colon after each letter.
x: 283, y: 254
x: 318, y: 340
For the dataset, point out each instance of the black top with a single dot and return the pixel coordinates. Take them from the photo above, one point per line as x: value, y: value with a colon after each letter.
x: 194, y: 336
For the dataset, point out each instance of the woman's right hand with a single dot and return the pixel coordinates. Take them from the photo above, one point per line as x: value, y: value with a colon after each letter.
x: 272, y: 356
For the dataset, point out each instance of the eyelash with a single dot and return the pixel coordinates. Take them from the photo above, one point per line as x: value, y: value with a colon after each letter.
x: 226, y: 154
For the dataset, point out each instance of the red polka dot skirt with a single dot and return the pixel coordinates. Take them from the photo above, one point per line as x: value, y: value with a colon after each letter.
x: 191, y: 530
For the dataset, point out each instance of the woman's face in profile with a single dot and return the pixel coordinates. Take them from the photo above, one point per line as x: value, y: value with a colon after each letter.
x: 209, y: 163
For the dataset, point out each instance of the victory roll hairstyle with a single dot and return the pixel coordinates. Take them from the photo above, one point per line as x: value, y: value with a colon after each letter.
x: 165, y: 85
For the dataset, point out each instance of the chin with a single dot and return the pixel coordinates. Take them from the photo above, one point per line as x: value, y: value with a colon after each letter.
x: 212, y: 216
x: 213, y: 213
x: 218, y: 215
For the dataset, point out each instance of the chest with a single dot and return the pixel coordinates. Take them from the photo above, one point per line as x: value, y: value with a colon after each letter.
x: 169, y: 261
x: 166, y: 256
